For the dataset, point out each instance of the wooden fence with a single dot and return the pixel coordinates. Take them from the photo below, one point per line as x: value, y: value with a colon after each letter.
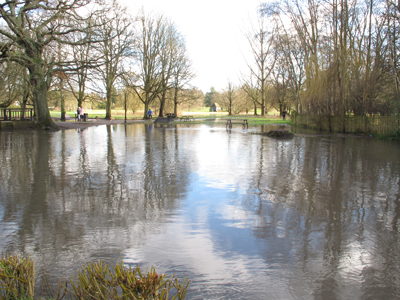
x: 374, y: 124
x: 20, y: 114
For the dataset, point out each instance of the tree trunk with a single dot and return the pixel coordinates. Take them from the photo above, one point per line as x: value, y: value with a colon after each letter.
x: 162, y: 104
x: 125, y: 98
x: 146, y: 109
x: 61, y: 86
x: 62, y: 107
x: 108, y: 104
x: 80, y: 101
x: 343, y: 64
x: 62, y: 101
x: 26, y: 92
x: 146, y: 106
x: 262, y: 97
x: 176, y: 102
x: 39, y: 92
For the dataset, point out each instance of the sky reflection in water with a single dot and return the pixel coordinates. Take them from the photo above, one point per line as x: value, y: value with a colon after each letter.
x: 243, y: 216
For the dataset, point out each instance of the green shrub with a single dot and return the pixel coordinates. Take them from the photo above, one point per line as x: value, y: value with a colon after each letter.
x: 394, y: 135
x: 98, y: 281
x: 101, y: 105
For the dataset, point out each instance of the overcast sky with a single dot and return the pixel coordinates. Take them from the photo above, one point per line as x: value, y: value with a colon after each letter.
x: 214, y: 35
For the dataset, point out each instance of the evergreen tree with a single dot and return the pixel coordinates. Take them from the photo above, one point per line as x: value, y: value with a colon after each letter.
x: 209, y: 97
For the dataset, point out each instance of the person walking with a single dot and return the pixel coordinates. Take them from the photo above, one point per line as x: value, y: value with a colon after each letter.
x: 78, y: 113
x: 150, y: 113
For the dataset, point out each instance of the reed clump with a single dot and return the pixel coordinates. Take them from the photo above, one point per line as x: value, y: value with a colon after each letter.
x: 94, y: 281
x: 17, y: 278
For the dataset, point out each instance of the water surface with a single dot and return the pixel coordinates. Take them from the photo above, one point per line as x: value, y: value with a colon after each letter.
x: 242, y: 215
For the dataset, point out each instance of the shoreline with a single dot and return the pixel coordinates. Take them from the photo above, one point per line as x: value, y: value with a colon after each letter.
x: 63, y: 125
x: 70, y: 124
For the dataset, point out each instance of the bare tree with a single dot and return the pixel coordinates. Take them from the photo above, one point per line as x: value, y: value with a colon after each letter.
x: 188, y: 98
x: 280, y: 87
x: 291, y: 57
x: 147, y: 81
x: 30, y: 29
x: 250, y: 87
x: 244, y: 103
x: 13, y: 83
x: 83, y: 59
x: 168, y: 59
x: 228, y: 97
x: 393, y: 29
x: 261, y: 44
x: 117, y: 42
x: 182, y: 74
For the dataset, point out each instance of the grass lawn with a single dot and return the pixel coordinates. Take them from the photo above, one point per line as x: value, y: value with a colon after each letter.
x: 215, y: 116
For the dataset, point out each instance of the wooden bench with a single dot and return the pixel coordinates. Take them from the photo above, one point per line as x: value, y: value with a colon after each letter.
x: 170, y: 116
x: 243, y: 122
x: 186, y: 118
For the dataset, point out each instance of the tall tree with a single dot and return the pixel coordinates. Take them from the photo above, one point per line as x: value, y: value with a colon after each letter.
x: 280, y: 87
x: 250, y: 87
x: 343, y: 45
x: 168, y: 59
x: 147, y: 80
x: 32, y: 29
x: 261, y: 43
x: 393, y: 29
x: 228, y: 97
x: 83, y: 59
x: 117, y: 42
x: 210, y: 97
x: 182, y: 74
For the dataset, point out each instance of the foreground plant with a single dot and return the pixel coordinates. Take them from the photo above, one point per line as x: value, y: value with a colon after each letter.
x: 93, y: 281
x: 98, y: 281
x: 17, y: 278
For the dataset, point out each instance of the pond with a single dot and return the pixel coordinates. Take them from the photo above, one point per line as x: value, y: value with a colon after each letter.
x: 242, y: 215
